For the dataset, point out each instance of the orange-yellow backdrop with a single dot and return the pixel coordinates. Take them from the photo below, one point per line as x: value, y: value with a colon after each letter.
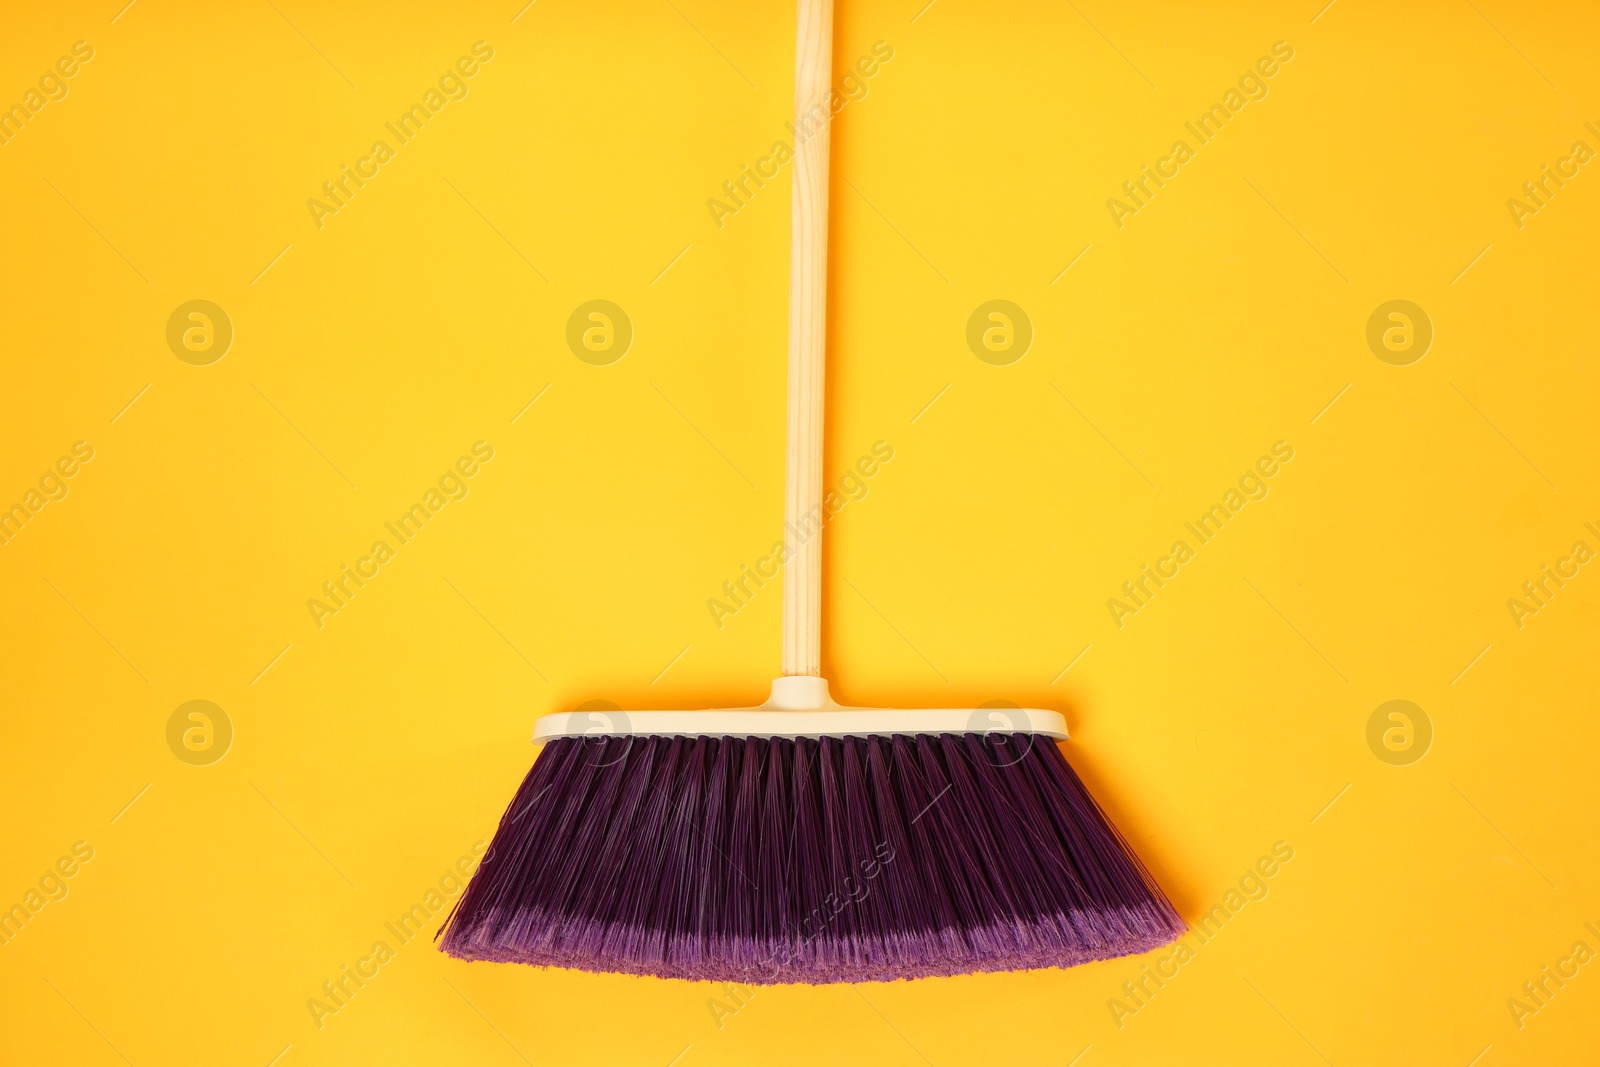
x: 1171, y: 347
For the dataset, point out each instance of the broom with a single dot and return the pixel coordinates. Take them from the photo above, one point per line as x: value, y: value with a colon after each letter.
x: 802, y: 841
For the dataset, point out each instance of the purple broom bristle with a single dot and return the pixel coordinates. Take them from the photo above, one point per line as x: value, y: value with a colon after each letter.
x: 768, y: 860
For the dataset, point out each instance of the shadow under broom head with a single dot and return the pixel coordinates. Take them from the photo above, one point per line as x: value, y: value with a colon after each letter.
x: 801, y: 841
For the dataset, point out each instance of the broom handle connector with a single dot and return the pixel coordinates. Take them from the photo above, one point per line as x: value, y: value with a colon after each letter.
x: 808, y: 327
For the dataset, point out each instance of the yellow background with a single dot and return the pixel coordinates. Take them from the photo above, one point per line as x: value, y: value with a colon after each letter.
x: 1225, y: 316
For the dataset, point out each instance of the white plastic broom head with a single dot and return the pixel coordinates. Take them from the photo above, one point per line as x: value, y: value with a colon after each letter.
x: 801, y: 707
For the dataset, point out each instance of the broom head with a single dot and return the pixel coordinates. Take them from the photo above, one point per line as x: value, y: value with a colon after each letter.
x: 777, y: 845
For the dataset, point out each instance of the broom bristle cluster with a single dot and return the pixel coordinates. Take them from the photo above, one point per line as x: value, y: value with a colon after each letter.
x: 763, y: 860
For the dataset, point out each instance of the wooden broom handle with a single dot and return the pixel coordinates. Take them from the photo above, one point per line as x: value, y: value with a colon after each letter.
x: 808, y: 328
